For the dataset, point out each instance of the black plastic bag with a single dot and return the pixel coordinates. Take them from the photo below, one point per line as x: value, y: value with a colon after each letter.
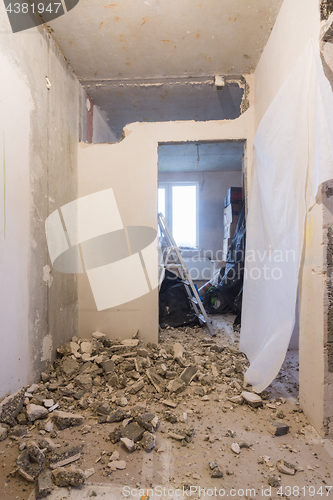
x: 174, y: 306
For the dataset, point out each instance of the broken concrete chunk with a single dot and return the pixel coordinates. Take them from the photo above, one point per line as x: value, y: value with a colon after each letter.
x: 171, y: 417
x: 98, y: 335
x: 43, y: 485
x: 48, y: 403
x: 3, y: 433
x: 115, y: 456
x: 176, y: 436
x: 128, y: 443
x: 10, y: 407
x: 117, y: 465
x: 216, y: 473
x: 65, y: 478
x: 176, y: 385
x: 178, y: 350
x: 285, y: 467
x: 89, y: 472
x: 35, y: 412
x: 252, y: 399
x: 84, y: 381
x: 86, y: 347
x: 236, y: 399
x: 235, y: 448
x: 115, y: 435
x: 156, y: 380
x: 63, y: 419
x: 168, y: 402
x: 130, y: 342
x: 149, y: 421
x: 216, y: 348
x: 122, y: 401
x: 18, y: 432
x: 144, y: 353
x: 133, y: 431
x: 116, y: 416
x: 65, y: 456
x: 30, y: 463
x: 32, y: 388
x: 47, y: 444
x: 148, y: 441
x: 277, y: 427
x: 136, y: 387
x: 108, y: 366
x: 189, y: 373
x: 69, y: 367
x: 274, y: 481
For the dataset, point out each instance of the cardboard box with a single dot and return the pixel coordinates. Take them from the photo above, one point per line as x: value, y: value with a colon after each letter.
x: 225, y: 248
x: 229, y: 230
x: 234, y: 195
x: 231, y: 213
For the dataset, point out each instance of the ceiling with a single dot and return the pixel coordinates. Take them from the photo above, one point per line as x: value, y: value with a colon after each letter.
x: 200, y: 156
x: 141, y: 59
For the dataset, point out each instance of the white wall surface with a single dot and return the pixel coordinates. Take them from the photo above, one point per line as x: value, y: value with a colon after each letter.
x: 41, y: 130
x: 130, y: 168
x: 15, y: 362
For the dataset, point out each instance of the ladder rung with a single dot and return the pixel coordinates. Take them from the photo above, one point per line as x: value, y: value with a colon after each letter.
x: 194, y: 300
x: 173, y: 266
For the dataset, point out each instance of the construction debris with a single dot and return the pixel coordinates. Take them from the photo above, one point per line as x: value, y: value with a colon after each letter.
x: 286, y: 468
x: 68, y: 477
x: 30, y: 463
x: 43, y: 485
x: 129, y: 391
x: 277, y: 427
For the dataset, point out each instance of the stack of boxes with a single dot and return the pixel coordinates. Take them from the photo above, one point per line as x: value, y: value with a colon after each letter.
x: 232, y: 208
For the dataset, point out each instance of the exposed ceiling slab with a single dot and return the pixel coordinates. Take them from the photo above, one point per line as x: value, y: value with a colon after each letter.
x: 201, y: 156
x: 140, y: 59
x: 167, y: 101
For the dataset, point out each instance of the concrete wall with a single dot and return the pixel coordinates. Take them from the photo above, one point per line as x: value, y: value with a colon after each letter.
x: 38, y: 309
x: 130, y: 168
x: 213, y: 187
x: 93, y: 124
x: 296, y: 23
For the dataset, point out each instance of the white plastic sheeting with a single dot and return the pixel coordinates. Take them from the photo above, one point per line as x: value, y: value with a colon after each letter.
x: 293, y: 156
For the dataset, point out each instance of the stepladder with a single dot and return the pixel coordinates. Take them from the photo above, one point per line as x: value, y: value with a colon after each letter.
x: 173, y: 261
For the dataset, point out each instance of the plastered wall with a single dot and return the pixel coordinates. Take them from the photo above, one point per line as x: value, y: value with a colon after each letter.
x: 296, y: 23
x: 130, y: 169
x: 39, y: 131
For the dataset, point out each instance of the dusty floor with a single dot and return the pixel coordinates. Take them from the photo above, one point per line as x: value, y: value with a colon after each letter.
x: 217, y: 424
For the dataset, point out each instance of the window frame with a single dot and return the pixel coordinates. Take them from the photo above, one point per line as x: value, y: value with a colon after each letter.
x: 167, y: 185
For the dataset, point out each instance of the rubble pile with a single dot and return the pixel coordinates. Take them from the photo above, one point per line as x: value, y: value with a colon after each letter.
x: 98, y: 377
x: 134, y: 387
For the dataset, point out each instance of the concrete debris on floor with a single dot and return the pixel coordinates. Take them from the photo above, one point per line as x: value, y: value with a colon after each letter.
x: 143, y: 415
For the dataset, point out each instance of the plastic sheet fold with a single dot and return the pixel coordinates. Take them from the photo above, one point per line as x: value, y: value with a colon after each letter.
x: 293, y: 156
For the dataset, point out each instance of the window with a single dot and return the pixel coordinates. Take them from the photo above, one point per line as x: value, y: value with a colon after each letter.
x: 179, y: 204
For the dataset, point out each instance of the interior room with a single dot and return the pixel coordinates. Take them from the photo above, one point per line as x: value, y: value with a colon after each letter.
x: 166, y: 223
